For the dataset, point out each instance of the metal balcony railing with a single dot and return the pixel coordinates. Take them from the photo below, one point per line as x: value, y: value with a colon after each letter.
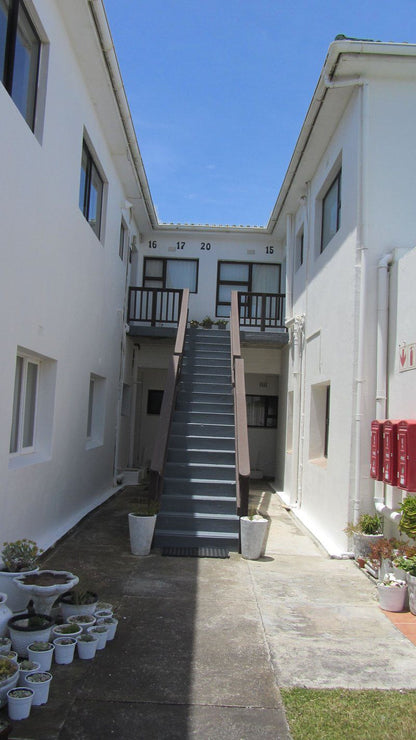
x: 262, y: 310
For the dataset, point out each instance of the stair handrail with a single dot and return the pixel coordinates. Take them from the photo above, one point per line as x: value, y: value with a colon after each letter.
x: 240, y: 411
x: 157, y: 465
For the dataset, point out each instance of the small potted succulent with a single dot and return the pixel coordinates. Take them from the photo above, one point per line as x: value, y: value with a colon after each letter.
x: 111, y: 623
x: 19, y: 702
x: 365, y: 533
x: 194, y: 324
x: 221, y: 323
x: 207, y: 322
x: 41, y: 652
x: 70, y: 629
x: 78, y: 601
x: 87, y: 645
x: 40, y: 683
x: 64, y: 649
x: 101, y: 631
x: 391, y: 593
x: 25, y: 667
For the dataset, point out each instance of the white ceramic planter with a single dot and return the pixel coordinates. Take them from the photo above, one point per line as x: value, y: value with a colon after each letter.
x: 19, y: 702
x: 87, y: 650
x: 68, y: 609
x: 5, y: 614
x: 111, y: 623
x: 22, y: 634
x: 64, y: 650
x: 253, y: 536
x: 23, y: 672
x: 141, y: 529
x: 43, y: 657
x: 100, y: 631
x: 83, y: 620
x: 8, y: 683
x: 40, y: 687
x: 391, y: 598
x: 5, y: 645
x: 60, y: 630
x: 17, y: 599
x: 362, y: 544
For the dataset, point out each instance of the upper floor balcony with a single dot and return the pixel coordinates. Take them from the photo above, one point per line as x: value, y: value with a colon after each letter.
x: 155, y: 312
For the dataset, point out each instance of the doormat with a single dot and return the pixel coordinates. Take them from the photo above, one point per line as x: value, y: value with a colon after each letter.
x: 196, y: 552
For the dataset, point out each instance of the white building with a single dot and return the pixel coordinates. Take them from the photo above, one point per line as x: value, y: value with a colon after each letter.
x: 79, y: 388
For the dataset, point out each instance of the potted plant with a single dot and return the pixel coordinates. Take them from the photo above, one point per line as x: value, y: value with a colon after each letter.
x: 64, y: 649
x: 142, y: 523
x: 9, y: 674
x: 5, y: 645
x: 27, y: 628
x: 19, y: 558
x: 207, y: 322
x: 71, y: 629
x: 111, y: 623
x: 83, y: 620
x: 391, y: 593
x: 25, y: 667
x: 78, y: 601
x: 87, y: 646
x: 101, y: 631
x: 5, y: 614
x: 407, y: 522
x: 408, y: 564
x: 41, y: 652
x: 253, y: 531
x: 5, y: 729
x: 19, y: 702
x: 365, y: 533
x: 221, y: 323
x: 40, y: 683
x: 386, y: 551
x: 194, y: 324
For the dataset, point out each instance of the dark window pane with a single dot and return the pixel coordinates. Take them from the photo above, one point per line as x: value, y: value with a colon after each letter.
x: 331, y: 212
x: 30, y: 405
x: 154, y: 401
x: 14, y: 436
x: 4, y: 6
x: 25, y: 70
x: 96, y: 195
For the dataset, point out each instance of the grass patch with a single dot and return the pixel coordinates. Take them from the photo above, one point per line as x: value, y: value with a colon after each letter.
x: 328, y: 714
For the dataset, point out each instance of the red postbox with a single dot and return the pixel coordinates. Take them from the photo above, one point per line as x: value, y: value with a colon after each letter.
x: 406, y: 455
x: 376, y: 460
x: 390, y: 451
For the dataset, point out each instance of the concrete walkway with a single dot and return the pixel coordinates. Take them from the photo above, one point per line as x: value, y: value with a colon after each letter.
x: 204, y: 644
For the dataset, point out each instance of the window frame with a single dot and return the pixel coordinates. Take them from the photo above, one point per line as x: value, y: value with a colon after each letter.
x: 335, y: 182
x: 247, y: 284
x: 299, y: 248
x: 122, y: 240
x: 20, y: 406
x: 162, y: 279
x: 10, y: 68
x: 154, y: 401
x: 267, y: 400
x: 85, y: 189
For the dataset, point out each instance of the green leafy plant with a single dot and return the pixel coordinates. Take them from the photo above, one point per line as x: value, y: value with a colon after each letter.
x: 79, y: 596
x: 40, y: 647
x: 406, y: 564
x: 38, y: 677
x: 194, y: 324
x: 20, y: 555
x: 146, y: 507
x: 407, y: 522
x: 221, y: 323
x: 67, y: 629
x: 367, y: 524
x: 207, y: 322
x: 27, y: 665
x: 87, y: 638
x: 20, y: 693
x: 7, y: 668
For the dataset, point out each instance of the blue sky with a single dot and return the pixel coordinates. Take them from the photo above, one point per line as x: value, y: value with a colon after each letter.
x: 219, y: 89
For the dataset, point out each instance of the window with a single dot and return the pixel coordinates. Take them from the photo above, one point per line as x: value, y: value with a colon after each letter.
x: 161, y: 272
x: 299, y: 250
x: 22, y: 438
x: 154, y: 401
x: 319, y: 422
x: 90, y: 191
x: 262, y: 411
x: 246, y: 277
x: 122, y: 241
x: 331, y: 212
x: 19, y: 57
x: 96, y: 411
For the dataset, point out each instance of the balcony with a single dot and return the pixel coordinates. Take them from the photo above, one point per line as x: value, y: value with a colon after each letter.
x: 155, y: 312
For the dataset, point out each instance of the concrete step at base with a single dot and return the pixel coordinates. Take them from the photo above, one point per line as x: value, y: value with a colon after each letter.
x: 181, y: 538
x: 193, y: 522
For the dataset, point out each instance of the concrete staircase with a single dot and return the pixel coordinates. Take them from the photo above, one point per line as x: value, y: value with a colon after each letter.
x: 198, y: 505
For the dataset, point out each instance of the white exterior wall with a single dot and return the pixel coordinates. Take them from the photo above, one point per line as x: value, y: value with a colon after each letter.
x: 62, y: 297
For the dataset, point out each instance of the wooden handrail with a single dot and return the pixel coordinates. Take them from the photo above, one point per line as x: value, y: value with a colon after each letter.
x: 242, y: 455
x: 157, y: 465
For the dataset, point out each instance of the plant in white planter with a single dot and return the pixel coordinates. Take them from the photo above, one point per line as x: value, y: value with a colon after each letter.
x: 142, y: 526
x: 5, y: 645
x: 253, y: 533
x: 111, y: 623
x: 19, y: 558
x: 87, y: 646
x: 41, y: 652
x: 9, y: 674
x: 408, y: 564
x: 83, y: 620
x: 25, y: 667
x: 67, y: 630
x: 101, y: 631
x: 78, y: 601
x: 19, y: 703
x: 40, y: 683
x: 365, y: 533
x: 27, y: 628
x: 391, y: 593
x: 64, y: 649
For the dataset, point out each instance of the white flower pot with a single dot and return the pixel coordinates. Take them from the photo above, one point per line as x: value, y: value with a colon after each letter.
x: 111, y: 623
x: 40, y: 688
x: 253, y: 535
x: 141, y: 530
x: 43, y: 657
x: 5, y: 614
x: 8, y: 683
x: 391, y: 598
x: 17, y: 599
x: 87, y: 650
x: 363, y: 542
x: 22, y: 635
x: 5, y: 646
x: 64, y: 650
x: 83, y: 620
x: 60, y: 630
x: 24, y: 672
x: 101, y: 633
x: 19, y: 706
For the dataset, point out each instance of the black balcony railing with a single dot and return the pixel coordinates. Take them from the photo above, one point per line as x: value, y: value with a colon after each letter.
x: 262, y: 310
x: 154, y: 306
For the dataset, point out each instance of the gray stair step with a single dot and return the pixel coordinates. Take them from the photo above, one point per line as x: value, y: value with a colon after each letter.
x: 198, y: 353
x: 188, y: 404
x: 213, y: 457
x: 198, y: 487
x: 213, y: 362
x: 199, y: 503
x: 204, y: 430
x: 188, y: 396
x: 203, y: 417
x: 194, y: 442
x: 197, y: 522
x: 204, y: 387
x: 200, y: 471
x: 180, y: 538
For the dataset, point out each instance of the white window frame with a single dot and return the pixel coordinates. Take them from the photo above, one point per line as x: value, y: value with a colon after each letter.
x: 19, y: 413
